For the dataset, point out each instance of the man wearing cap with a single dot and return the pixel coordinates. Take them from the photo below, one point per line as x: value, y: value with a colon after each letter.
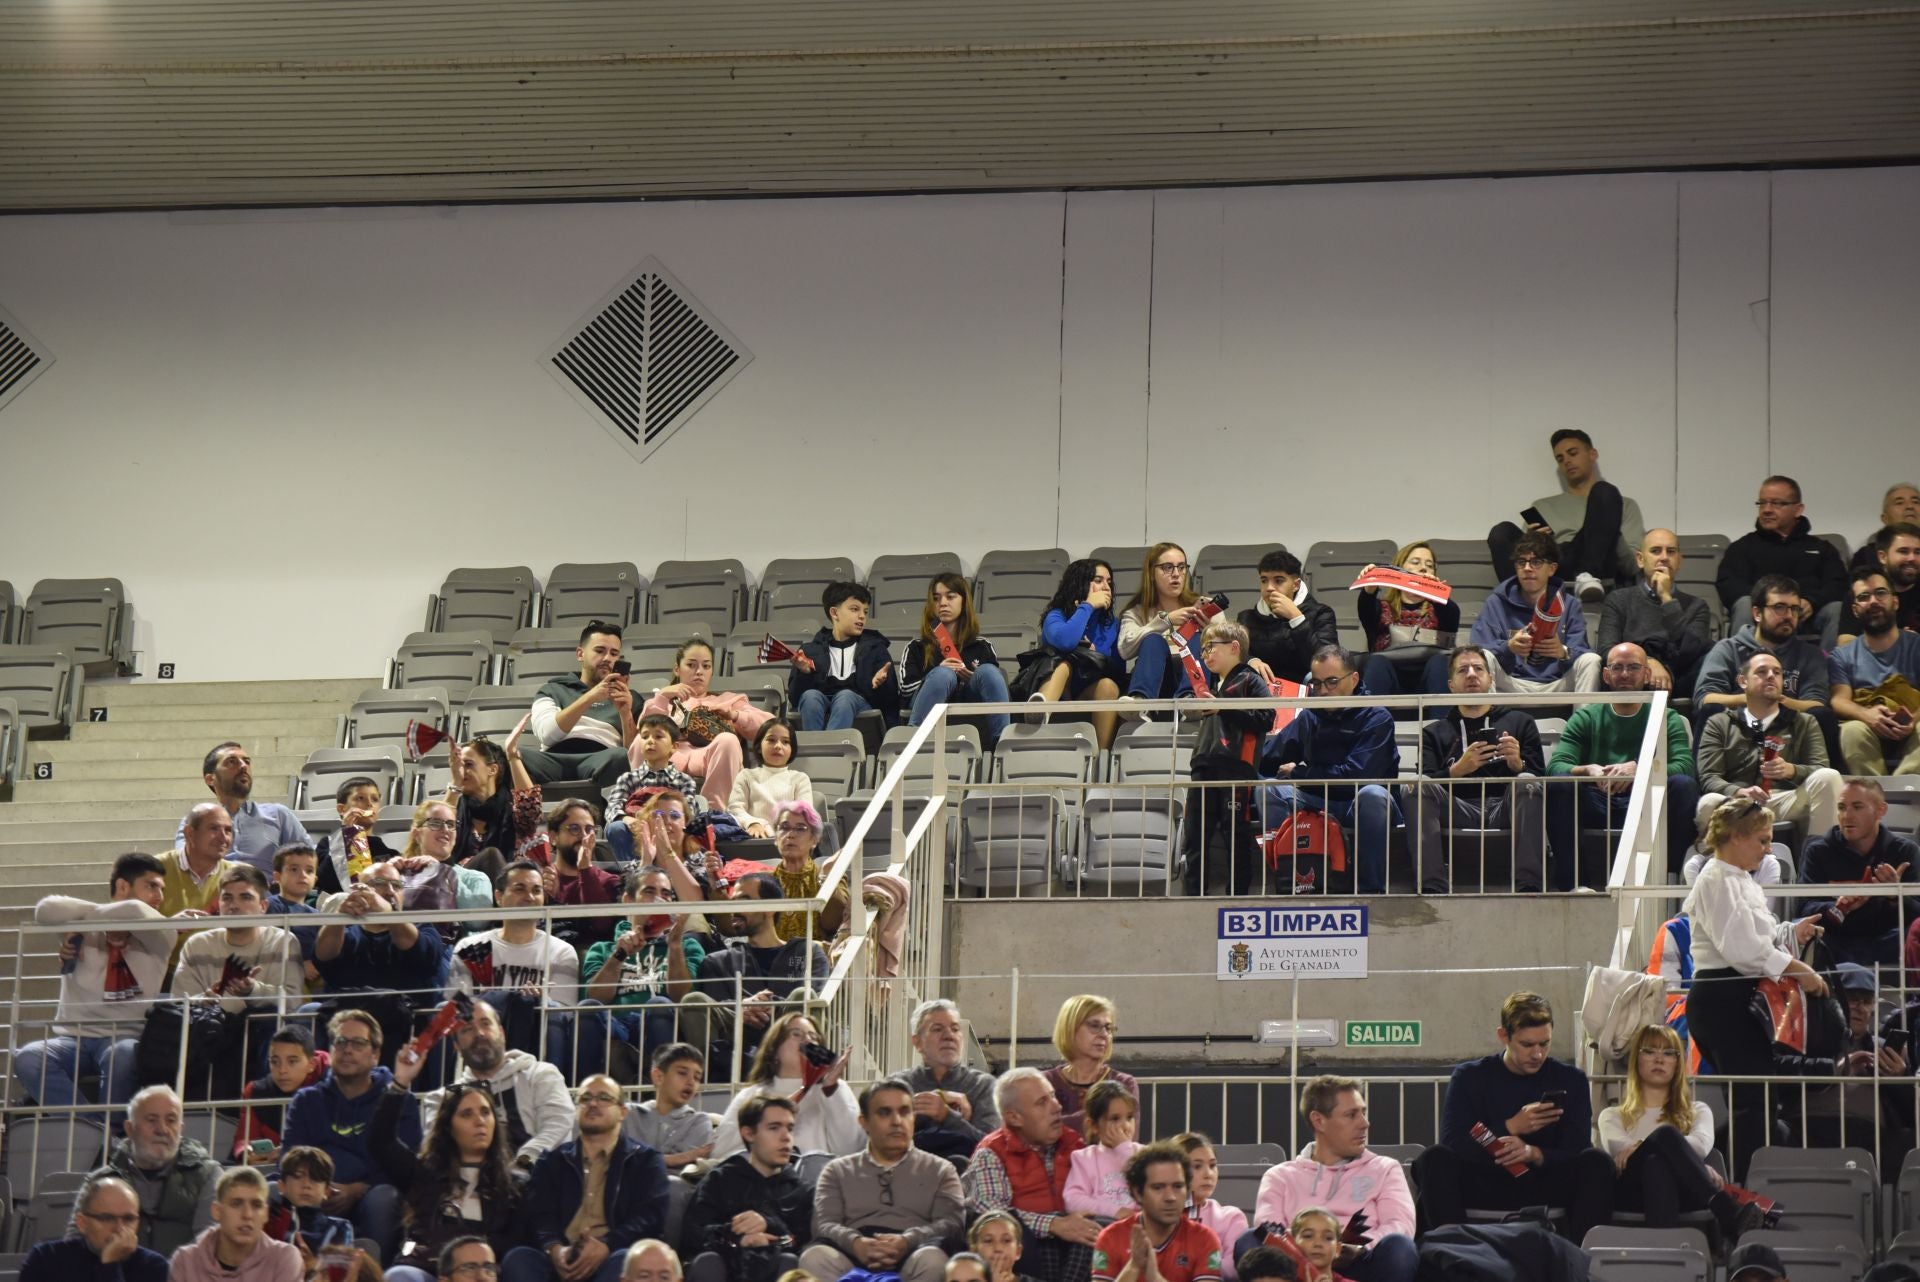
x: 1873, y: 1052
x: 1756, y: 1262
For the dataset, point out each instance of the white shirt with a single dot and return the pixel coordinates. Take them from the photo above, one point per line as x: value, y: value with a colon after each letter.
x: 547, y: 963
x: 821, y: 1123
x: 1767, y: 874
x: 1615, y: 1135
x: 1732, y: 928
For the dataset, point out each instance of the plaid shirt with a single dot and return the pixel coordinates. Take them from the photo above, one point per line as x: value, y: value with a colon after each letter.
x: 987, y: 1188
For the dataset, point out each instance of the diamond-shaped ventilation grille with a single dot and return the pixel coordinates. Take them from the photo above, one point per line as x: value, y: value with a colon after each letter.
x: 647, y: 358
x: 22, y: 359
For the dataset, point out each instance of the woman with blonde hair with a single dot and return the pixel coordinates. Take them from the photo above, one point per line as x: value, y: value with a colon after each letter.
x: 1164, y: 602
x: 1083, y: 1033
x: 1736, y: 943
x: 1407, y: 636
x: 1659, y: 1136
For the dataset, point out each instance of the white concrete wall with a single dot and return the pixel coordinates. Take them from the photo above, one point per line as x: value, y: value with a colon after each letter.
x: 282, y: 428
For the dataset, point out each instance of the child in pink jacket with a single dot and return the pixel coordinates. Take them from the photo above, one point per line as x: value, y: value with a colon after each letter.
x: 1097, y: 1180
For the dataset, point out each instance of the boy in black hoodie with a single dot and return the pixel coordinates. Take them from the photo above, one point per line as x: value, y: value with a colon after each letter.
x: 752, y: 1213
x: 845, y: 670
x: 1229, y: 748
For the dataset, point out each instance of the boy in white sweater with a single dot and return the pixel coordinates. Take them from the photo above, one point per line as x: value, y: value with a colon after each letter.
x: 241, y: 963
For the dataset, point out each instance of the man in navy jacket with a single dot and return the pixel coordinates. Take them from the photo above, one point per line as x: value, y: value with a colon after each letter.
x: 1319, y: 748
x: 1538, y: 1114
x: 590, y: 1199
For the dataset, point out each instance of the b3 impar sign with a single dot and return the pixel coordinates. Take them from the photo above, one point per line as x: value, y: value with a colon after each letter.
x: 1324, y: 941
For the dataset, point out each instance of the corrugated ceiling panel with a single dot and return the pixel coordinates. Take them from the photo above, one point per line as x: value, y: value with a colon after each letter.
x: 192, y: 131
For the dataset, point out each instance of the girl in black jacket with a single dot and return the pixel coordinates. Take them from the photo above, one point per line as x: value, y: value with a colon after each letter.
x: 459, y: 1183
x: 930, y: 677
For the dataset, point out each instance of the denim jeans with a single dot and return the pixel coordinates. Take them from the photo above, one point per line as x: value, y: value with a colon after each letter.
x: 1595, y: 809
x: 987, y: 685
x: 819, y: 712
x: 646, y: 1027
x: 1372, y: 811
x: 50, y: 1071
x: 376, y: 1216
x: 1157, y: 672
x: 1392, y: 1258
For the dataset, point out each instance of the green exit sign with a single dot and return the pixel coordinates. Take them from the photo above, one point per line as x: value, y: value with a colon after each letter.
x: 1383, y: 1032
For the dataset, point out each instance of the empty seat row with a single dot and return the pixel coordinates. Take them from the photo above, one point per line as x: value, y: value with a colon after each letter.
x: 89, y: 620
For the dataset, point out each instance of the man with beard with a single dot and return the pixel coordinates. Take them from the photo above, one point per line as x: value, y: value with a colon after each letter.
x: 589, y: 1199
x: 1876, y: 736
x: 524, y: 973
x: 1776, y: 610
x: 752, y: 1202
x: 259, y: 827
x: 105, y: 1246
x: 890, y: 1209
x: 953, y: 1106
x: 172, y: 1178
x: 237, y: 1248
x: 1481, y: 741
x: 768, y: 969
x: 530, y: 1096
x: 1897, y: 552
x: 573, y: 826
x: 584, y: 724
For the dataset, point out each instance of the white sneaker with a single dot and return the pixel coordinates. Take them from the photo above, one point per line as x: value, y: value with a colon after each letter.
x: 1037, y: 716
x: 1588, y: 587
x: 1131, y: 714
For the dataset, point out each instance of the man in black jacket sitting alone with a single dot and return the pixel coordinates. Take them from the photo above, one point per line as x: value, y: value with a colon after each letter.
x: 750, y: 1214
x: 1481, y: 741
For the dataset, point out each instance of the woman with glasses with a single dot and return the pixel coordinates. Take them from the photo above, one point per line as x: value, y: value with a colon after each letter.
x: 1659, y: 1136
x: 645, y: 968
x: 796, y: 831
x: 1737, y: 942
x: 1079, y: 637
x: 758, y: 789
x: 435, y: 832
x: 660, y: 830
x: 1407, y: 636
x: 460, y: 1183
x: 1164, y: 602
x: 826, y: 1116
x: 930, y: 677
x: 1083, y: 1033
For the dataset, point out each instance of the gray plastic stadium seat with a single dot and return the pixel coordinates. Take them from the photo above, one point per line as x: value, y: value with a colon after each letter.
x: 1047, y: 755
x: 650, y: 649
x: 1130, y: 839
x: 13, y: 744
x: 897, y: 623
x: 497, y: 600
x: 9, y: 611
x: 1012, y: 840
x: 1011, y: 637
x: 1905, y: 1247
x: 902, y: 580
x: 792, y: 610
x: 493, y: 711
x: 536, y: 656
x: 1813, y: 1259
x: 711, y: 594
x: 1840, y: 544
x: 578, y: 593
x: 1240, y: 1184
x: 1251, y: 1154
x: 1330, y: 567
x: 876, y: 850
x: 1401, y: 1153
x: 327, y: 768
x: 1467, y: 565
x: 1018, y: 583
x: 43, y: 682
x: 378, y: 718
x: 802, y: 578
x: 1829, y: 1191
x: 1903, y: 803
x: 1648, y: 1255
x: 1233, y: 568
x: 1703, y: 554
x: 453, y: 661
x: 742, y: 654
x: 90, y: 619
x: 41, y: 1146
x: 1126, y: 562
x: 963, y: 756
x: 833, y: 759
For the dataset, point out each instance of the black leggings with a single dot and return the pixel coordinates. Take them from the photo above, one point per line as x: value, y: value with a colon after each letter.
x: 1720, y: 1016
x: 1664, y: 1178
x: 1593, y: 549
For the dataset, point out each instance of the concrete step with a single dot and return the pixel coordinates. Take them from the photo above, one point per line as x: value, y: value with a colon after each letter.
x: 156, y: 814
x: 56, y: 856
x: 249, y: 713
x: 282, y: 765
x: 73, y: 825
x: 183, y: 792
x: 171, y: 756
x: 137, y: 693
x: 312, y: 731
x: 32, y: 884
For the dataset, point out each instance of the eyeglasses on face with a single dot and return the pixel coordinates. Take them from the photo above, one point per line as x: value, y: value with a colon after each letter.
x: 1171, y: 567
x: 353, y: 1043
x: 384, y: 883
x: 1626, y: 667
x: 578, y: 830
x: 118, y: 1221
x: 672, y: 816
x: 1529, y: 563
x: 1210, y: 645
x: 439, y: 825
x: 1326, y: 685
x: 598, y: 1097
x: 1776, y: 503
x: 477, y: 1269
x: 794, y: 828
x: 1878, y: 594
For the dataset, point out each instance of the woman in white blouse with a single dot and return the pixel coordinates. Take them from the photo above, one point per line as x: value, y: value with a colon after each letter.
x: 1736, y: 943
x: 1659, y: 1138
x: 826, y: 1114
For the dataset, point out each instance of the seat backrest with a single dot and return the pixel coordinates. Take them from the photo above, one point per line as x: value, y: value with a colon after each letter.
x: 1249, y: 1154
x: 963, y: 754
x: 1240, y: 1184
x: 743, y: 650
x: 1126, y: 562
x: 497, y: 600
x: 1233, y: 568
x: 327, y: 768
x: 39, y: 679
x: 1332, y: 566
x: 765, y: 690
x: 792, y: 610
x: 832, y: 759
x: 804, y: 577
x: 1041, y: 753
x: 710, y: 592
x: 454, y: 661
x: 1467, y: 565
x: 1840, y: 544
x: 493, y: 711
x: 538, y: 655
x: 1022, y: 580
x: 902, y: 577
x: 1810, y: 1257
x: 379, y: 717
x: 578, y: 593
x: 1152, y: 763
x: 80, y: 616
x: 9, y: 611
x: 41, y: 1146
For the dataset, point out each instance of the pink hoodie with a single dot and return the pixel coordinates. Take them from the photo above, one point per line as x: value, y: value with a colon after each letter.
x: 1370, y: 1183
x: 1097, y: 1181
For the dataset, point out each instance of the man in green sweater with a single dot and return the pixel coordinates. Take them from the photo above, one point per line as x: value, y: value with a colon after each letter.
x: 1602, y: 742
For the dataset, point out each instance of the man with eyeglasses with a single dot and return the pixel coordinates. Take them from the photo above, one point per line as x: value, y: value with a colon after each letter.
x: 752, y: 1213
x: 381, y: 951
x: 1480, y: 741
x: 890, y: 1209
x: 1323, y: 754
x: 105, y: 1245
x: 334, y: 1116
x: 172, y: 1178
x: 1601, y: 742
x: 1776, y: 611
x: 1767, y: 753
x: 1534, y: 627
x: 590, y: 1198
x: 1877, y: 720
x: 1782, y: 542
x: 1673, y: 627
x: 467, y: 1259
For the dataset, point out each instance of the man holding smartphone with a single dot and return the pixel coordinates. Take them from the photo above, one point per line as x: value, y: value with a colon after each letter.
x: 1595, y: 526
x: 1480, y: 742
x: 585, y: 724
x: 1516, y: 1131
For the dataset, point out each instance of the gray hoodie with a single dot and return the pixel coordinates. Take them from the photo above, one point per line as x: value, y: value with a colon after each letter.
x: 1803, y: 666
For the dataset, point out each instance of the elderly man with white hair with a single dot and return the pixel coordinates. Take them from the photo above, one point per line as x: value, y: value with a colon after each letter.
x: 1022, y: 1167
x: 171, y: 1177
x: 952, y: 1103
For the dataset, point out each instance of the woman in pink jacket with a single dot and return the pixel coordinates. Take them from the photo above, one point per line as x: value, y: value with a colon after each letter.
x: 712, y: 725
